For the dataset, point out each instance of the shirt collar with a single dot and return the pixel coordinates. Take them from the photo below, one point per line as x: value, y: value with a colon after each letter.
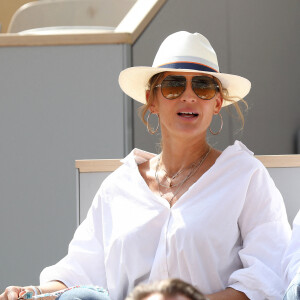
x: 137, y: 156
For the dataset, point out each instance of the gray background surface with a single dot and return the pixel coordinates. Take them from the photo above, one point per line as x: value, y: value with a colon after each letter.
x: 58, y: 104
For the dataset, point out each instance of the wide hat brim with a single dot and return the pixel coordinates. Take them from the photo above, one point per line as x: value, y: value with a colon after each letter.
x: 134, y: 82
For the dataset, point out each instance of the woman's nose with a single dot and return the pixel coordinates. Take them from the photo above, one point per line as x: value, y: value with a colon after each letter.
x: 188, y: 95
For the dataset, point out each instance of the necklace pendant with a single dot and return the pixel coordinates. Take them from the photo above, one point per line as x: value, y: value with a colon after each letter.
x: 170, y: 185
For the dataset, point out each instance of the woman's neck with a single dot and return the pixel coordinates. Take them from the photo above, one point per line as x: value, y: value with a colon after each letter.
x: 178, y: 154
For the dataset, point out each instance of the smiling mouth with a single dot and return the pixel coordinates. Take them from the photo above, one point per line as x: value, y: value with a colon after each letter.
x: 188, y: 114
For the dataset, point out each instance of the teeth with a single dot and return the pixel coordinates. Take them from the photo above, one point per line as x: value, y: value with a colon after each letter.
x: 187, y: 113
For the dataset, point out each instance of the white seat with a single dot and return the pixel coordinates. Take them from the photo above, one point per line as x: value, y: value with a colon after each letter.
x: 284, y: 169
x: 57, y: 13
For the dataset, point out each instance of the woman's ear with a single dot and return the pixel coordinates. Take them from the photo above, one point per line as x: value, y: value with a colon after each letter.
x: 147, y: 95
x: 153, y: 106
x: 218, y: 104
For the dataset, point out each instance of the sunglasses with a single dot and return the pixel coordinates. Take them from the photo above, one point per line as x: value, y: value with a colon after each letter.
x: 174, y: 86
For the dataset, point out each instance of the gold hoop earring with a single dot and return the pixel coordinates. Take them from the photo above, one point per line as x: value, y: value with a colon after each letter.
x: 216, y: 133
x: 149, y: 129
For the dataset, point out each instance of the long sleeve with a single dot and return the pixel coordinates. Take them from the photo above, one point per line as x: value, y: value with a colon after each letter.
x: 291, y: 261
x: 265, y: 233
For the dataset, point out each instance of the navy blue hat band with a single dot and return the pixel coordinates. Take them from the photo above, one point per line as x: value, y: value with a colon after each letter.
x: 188, y: 65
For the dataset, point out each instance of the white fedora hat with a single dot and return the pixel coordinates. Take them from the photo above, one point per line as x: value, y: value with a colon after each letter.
x: 182, y: 52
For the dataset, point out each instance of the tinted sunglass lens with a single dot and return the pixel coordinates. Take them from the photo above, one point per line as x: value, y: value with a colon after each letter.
x: 204, y: 87
x: 173, y: 86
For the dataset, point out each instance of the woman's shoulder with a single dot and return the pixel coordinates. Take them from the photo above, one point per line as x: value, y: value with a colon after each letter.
x: 128, y: 167
x: 239, y: 156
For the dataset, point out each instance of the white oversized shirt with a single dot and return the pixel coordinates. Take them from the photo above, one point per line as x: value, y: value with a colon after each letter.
x: 291, y: 261
x: 229, y: 229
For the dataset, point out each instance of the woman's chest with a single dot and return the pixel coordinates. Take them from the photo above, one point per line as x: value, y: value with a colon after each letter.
x: 198, y: 217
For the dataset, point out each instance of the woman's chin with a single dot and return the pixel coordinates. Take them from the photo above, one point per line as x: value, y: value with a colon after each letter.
x: 188, y: 132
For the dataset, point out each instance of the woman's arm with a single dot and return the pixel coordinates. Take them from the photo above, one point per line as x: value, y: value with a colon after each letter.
x: 228, y: 294
x: 14, y: 292
x: 291, y: 260
x: 265, y: 233
x: 52, y: 286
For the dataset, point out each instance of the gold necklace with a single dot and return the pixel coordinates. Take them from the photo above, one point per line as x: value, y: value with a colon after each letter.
x: 194, y: 169
x: 171, y: 178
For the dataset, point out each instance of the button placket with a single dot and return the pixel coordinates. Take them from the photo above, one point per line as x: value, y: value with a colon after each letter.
x: 160, y: 269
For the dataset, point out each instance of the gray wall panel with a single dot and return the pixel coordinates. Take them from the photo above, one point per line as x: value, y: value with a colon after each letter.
x: 265, y: 46
x: 57, y: 104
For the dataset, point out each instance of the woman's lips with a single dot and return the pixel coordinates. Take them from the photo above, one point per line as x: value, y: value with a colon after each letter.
x: 188, y: 115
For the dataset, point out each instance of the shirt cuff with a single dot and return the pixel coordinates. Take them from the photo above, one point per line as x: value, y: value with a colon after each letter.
x: 251, y: 294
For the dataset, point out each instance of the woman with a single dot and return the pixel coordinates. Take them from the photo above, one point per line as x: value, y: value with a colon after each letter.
x: 291, y: 263
x: 211, y: 218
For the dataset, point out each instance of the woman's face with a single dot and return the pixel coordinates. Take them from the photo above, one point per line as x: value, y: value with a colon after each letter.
x: 187, y: 115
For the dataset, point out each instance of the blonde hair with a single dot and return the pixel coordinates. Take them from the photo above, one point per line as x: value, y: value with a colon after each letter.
x: 167, y: 288
x: 235, y: 101
x: 154, y: 81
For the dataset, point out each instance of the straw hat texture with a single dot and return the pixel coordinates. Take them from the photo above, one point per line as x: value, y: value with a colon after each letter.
x: 182, y: 52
